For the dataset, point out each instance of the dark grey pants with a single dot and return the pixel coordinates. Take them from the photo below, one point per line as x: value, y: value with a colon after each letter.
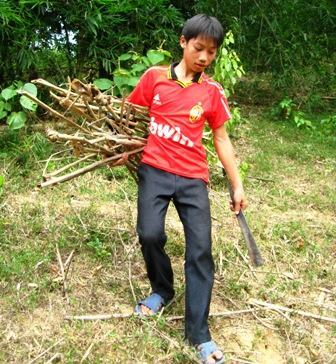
x: 190, y: 197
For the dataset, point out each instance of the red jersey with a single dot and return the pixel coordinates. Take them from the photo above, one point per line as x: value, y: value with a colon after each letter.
x: 178, y: 112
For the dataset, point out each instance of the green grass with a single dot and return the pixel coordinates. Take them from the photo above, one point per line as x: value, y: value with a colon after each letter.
x: 290, y: 183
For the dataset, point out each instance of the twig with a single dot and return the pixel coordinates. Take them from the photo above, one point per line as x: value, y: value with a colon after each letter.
x: 86, y: 169
x: 264, y: 323
x: 98, y: 317
x: 43, y: 82
x: 245, y: 260
x: 67, y: 264
x: 219, y: 314
x: 58, y: 171
x: 169, y: 318
x: 45, y: 351
x: 130, y: 280
x: 64, y: 285
x: 54, y: 112
x: 55, y: 357
x: 87, y: 352
x: 291, y: 310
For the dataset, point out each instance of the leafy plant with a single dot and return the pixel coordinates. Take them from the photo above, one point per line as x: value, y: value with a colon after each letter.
x: 329, y: 124
x: 13, y: 107
x: 228, y: 67
x: 131, y: 65
x: 287, y: 110
x: 98, y: 248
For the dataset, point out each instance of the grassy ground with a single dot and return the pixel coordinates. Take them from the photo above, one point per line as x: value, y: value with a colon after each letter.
x: 291, y: 187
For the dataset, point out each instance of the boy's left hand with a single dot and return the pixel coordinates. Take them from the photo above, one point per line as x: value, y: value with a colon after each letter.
x: 239, y: 201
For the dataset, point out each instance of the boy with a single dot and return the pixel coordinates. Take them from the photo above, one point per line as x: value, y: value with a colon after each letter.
x: 181, y: 98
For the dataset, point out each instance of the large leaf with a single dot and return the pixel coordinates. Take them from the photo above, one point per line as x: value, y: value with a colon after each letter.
x: 27, y: 103
x: 120, y: 80
x: 7, y: 106
x: 3, y: 114
x: 2, y: 105
x: 30, y: 88
x: 8, y: 93
x: 103, y: 83
x: 138, y: 67
x: 125, y: 57
x: 16, y: 120
x: 155, y: 57
x: 132, y: 81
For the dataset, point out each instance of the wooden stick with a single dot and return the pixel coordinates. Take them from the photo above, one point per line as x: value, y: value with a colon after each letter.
x: 43, y: 82
x: 54, y: 112
x: 291, y: 310
x: 98, y: 317
x: 68, y: 263
x: 169, y: 318
x: 86, y: 169
x: 218, y: 314
x: 60, y: 262
x: 58, y: 171
x: 55, y: 358
x: 46, y: 351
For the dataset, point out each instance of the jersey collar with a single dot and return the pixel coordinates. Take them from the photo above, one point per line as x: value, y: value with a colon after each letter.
x: 171, y: 75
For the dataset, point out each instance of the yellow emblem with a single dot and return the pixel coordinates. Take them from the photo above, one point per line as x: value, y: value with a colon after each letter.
x: 196, y: 113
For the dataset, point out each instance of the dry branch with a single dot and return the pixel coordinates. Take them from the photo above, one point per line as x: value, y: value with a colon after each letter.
x: 101, y: 129
x: 291, y: 310
x: 169, y: 318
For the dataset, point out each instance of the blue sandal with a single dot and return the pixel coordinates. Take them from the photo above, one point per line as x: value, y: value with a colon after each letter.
x: 154, y: 302
x: 206, y: 349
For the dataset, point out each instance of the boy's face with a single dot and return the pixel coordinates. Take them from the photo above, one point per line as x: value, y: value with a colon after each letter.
x: 198, y: 53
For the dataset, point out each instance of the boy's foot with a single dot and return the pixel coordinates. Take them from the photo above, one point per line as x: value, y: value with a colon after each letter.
x: 149, y: 306
x: 209, y: 353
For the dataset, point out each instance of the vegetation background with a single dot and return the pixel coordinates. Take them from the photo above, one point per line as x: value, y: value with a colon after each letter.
x: 285, y: 135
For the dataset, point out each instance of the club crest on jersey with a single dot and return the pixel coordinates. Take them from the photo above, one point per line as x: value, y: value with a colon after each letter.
x: 196, y: 113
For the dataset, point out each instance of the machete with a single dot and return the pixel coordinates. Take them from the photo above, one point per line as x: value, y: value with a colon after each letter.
x: 252, y: 247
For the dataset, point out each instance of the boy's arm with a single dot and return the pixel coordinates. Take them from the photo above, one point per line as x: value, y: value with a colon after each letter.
x: 225, y: 152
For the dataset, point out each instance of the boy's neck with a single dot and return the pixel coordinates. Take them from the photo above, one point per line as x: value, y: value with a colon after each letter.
x: 183, y: 73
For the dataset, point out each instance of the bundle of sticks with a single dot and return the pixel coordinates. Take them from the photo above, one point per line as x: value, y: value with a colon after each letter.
x: 100, y: 129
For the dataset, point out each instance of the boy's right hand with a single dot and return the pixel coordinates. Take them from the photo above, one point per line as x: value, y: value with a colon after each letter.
x: 238, y: 200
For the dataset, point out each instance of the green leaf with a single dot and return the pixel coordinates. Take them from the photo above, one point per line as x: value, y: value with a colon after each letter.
x: 3, y: 114
x: 16, y: 120
x: 166, y: 53
x: 139, y: 67
x: 30, y: 88
x: 27, y: 103
x: 8, y: 106
x: 125, y: 57
x: 145, y: 60
x: 8, y: 93
x: 2, y: 105
x: 132, y: 81
x: 227, y: 66
x: 224, y: 51
x: 155, y: 57
x: 120, y: 80
x: 103, y: 83
x: 2, y: 181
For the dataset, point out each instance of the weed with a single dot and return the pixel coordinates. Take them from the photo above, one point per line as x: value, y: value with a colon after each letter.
x: 98, y: 248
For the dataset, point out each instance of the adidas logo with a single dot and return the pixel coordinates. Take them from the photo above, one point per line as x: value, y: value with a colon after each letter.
x: 156, y: 99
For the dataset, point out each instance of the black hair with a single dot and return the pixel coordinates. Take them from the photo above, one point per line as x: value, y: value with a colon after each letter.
x: 203, y: 25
